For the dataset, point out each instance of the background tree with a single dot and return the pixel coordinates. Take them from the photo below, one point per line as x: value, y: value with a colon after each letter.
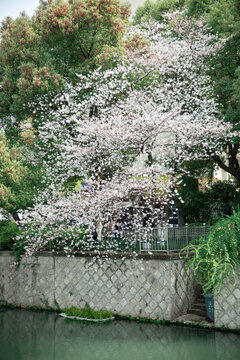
x: 18, y: 180
x: 223, y: 18
x: 155, y: 10
x: 39, y: 55
x: 221, y: 15
x: 205, y: 200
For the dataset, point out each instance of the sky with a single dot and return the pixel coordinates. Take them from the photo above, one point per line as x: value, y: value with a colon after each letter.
x: 14, y: 7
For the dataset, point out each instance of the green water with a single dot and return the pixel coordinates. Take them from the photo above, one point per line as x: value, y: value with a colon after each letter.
x: 30, y: 335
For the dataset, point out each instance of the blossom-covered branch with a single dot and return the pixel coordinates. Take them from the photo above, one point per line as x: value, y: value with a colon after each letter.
x: 114, y: 132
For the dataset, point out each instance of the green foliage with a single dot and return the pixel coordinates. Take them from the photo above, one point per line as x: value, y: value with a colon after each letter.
x: 215, y: 259
x: 155, y: 10
x: 224, y: 195
x: 226, y: 73
x: 220, y: 198
x: 197, y: 7
x: 8, y: 231
x: 200, y: 168
x: 143, y: 12
x: 19, y: 249
x: 195, y: 207
x: 38, y: 55
x: 205, y: 205
x: 221, y: 15
x: 26, y: 69
x: 81, y: 34
x: 194, y: 201
x: 17, y: 180
x: 88, y: 313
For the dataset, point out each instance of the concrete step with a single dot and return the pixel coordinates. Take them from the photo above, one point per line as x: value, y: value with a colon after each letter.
x: 196, y: 311
x: 199, y: 305
x: 200, y: 300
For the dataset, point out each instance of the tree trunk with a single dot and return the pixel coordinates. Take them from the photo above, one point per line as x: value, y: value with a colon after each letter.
x: 99, y: 230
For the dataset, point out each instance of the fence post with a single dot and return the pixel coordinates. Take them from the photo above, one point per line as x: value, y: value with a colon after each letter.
x: 167, y: 239
x: 187, y: 237
x: 139, y: 239
x: 204, y: 227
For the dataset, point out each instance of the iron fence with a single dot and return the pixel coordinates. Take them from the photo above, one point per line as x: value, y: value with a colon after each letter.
x: 160, y: 239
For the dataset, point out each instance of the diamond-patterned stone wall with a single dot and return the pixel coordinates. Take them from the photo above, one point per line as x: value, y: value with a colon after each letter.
x: 155, y: 289
x: 227, y: 304
x: 31, y: 284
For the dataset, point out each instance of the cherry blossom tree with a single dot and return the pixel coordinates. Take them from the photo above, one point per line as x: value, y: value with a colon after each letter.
x: 117, y: 131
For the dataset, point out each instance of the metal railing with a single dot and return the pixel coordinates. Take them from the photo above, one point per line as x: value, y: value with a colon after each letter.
x: 160, y: 239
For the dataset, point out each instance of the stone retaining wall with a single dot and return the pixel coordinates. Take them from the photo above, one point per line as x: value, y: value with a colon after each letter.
x: 227, y: 304
x: 153, y: 288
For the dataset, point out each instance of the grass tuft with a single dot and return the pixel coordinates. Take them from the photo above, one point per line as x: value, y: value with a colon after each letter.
x: 88, y: 313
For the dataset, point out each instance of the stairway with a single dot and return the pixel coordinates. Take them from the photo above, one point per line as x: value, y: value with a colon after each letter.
x: 198, y: 307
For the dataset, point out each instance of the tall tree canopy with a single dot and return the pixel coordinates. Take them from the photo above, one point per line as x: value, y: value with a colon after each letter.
x: 223, y: 16
x: 39, y: 55
x: 156, y: 9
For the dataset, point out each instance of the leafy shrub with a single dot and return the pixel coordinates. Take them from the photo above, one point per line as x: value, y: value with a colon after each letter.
x: 8, y: 231
x: 216, y: 257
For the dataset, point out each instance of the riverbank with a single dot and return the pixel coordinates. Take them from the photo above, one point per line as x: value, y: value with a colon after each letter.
x: 150, y: 288
x: 185, y: 320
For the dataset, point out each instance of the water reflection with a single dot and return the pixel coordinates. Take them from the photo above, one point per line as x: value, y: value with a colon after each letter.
x: 27, y: 335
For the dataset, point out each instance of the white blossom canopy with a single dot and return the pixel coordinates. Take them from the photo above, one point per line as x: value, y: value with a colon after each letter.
x: 155, y: 107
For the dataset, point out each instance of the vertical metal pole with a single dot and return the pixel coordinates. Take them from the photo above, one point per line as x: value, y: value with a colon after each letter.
x: 152, y: 234
x: 204, y: 227
x: 173, y: 189
x: 187, y: 238
x: 167, y: 240
x: 139, y: 240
